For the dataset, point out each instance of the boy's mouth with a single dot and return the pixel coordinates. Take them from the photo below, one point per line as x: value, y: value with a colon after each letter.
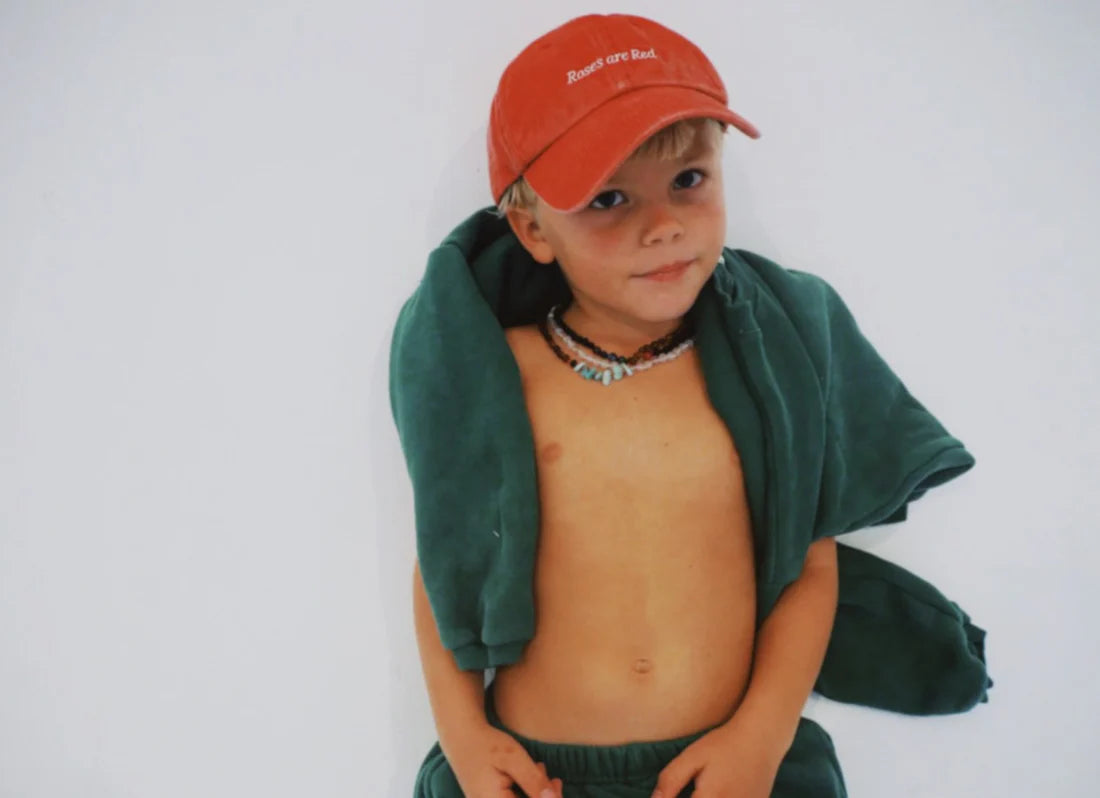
x: 668, y: 268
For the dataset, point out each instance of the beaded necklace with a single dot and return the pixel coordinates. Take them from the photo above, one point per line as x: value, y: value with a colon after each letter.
x: 611, y: 366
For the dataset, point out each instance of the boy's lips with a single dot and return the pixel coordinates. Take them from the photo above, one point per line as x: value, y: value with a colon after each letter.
x: 668, y: 268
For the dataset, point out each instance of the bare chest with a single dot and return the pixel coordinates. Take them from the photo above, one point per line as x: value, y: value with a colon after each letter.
x: 643, y: 467
x: 644, y: 580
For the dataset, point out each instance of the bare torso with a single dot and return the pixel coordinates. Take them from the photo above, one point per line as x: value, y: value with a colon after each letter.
x: 644, y: 583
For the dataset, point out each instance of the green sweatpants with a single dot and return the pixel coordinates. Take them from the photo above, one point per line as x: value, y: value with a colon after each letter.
x: 809, y: 770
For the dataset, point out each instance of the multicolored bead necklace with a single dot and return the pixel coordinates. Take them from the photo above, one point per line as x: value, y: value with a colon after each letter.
x: 609, y: 366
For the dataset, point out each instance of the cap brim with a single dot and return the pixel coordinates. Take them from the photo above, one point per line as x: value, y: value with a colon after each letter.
x: 569, y: 172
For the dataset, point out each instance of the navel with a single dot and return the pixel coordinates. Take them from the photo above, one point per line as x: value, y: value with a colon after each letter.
x: 642, y: 666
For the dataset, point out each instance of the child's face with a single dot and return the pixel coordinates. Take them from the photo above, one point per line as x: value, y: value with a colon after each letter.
x: 649, y: 214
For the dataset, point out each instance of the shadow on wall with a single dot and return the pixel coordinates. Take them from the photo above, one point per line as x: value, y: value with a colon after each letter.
x: 463, y: 187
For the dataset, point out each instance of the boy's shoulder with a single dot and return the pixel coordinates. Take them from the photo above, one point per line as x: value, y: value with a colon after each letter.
x: 523, y: 339
x: 520, y: 334
x: 540, y: 370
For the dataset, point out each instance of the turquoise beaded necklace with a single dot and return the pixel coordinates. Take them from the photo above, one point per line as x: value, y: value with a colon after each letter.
x: 608, y: 367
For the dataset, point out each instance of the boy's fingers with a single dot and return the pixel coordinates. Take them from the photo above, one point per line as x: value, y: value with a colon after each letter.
x: 555, y: 784
x: 675, y: 777
x: 531, y: 778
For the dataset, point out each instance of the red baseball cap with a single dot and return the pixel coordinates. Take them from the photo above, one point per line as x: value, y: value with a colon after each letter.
x: 577, y: 101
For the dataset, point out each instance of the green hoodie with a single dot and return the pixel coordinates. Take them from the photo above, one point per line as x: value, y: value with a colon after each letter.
x: 829, y: 438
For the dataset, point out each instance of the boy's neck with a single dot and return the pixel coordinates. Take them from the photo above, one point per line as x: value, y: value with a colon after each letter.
x: 617, y: 335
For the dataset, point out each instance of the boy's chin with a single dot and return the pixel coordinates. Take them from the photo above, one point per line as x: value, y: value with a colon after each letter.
x: 665, y: 309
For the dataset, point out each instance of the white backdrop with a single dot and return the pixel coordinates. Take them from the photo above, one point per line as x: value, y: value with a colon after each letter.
x: 210, y: 214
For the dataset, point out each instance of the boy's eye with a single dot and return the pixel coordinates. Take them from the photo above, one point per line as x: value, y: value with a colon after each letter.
x: 608, y: 196
x: 604, y: 197
x: 688, y: 172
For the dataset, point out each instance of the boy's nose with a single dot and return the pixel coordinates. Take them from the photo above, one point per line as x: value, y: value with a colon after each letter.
x: 661, y: 226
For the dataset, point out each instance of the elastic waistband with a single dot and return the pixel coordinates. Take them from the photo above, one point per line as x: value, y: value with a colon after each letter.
x: 593, y: 764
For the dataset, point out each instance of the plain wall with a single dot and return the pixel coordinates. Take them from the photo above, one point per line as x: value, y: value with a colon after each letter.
x: 210, y: 214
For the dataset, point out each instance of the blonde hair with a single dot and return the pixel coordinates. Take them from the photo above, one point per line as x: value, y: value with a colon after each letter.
x: 666, y: 144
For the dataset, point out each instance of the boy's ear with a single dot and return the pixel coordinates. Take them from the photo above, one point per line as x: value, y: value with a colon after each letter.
x: 530, y: 234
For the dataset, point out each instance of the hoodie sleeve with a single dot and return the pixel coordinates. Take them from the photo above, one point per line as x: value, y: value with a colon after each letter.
x: 900, y: 644
x: 457, y: 402
x: 883, y: 448
x: 897, y: 642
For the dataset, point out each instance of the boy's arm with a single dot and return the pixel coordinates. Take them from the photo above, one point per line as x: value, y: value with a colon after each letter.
x: 471, y: 745
x: 791, y: 647
x: 457, y: 697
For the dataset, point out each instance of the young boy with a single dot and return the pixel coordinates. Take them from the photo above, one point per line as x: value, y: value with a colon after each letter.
x: 581, y: 446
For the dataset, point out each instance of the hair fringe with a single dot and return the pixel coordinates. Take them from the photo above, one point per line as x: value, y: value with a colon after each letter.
x: 666, y: 144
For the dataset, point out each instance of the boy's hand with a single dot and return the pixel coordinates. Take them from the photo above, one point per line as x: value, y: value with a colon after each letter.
x: 732, y: 760
x: 488, y: 762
